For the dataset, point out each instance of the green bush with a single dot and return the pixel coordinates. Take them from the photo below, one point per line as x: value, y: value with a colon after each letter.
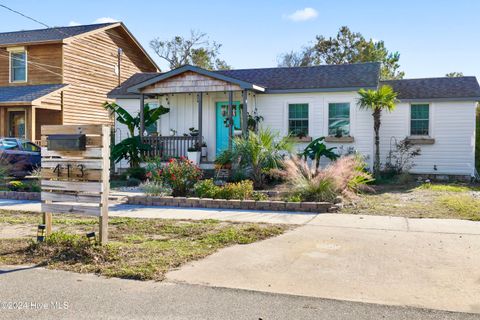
x: 258, y: 196
x: 238, y: 190
x: 133, y: 182
x: 136, y: 173
x: 156, y: 189
x: 16, y: 185
x: 206, y: 189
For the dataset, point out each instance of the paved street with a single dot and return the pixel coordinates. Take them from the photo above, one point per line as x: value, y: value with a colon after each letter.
x: 427, y: 263
x: 91, y: 297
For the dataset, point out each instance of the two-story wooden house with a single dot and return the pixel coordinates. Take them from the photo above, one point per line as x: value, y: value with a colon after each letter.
x: 62, y: 75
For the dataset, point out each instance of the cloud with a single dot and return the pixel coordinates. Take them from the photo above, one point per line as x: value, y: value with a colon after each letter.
x: 105, y: 20
x: 302, y: 15
x: 73, y: 23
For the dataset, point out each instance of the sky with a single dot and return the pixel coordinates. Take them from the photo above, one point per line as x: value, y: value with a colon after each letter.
x: 433, y: 37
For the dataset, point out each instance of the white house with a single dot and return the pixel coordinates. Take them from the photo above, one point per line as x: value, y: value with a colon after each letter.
x: 309, y: 102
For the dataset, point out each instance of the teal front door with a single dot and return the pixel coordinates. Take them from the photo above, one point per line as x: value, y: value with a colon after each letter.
x: 222, y: 128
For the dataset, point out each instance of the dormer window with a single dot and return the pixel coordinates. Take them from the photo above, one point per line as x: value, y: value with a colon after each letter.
x: 18, y: 65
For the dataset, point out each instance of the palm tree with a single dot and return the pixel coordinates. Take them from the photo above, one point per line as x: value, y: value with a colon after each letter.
x: 377, y: 100
x: 260, y: 152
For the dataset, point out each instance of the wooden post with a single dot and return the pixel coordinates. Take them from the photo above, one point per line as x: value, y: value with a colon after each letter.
x: 245, y: 113
x: 230, y: 119
x: 200, y: 118
x: 142, y: 116
x: 103, y: 220
x: 47, y: 221
x: 74, y: 180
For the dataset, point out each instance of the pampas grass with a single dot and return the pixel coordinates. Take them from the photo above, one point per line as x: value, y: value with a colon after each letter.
x: 345, y: 176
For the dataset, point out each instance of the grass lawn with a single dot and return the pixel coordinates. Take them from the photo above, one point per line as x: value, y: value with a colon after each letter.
x: 143, y: 249
x: 459, y: 201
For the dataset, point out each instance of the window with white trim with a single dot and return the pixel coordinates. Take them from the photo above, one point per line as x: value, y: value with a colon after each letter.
x: 18, y: 66
x: 419, y: 119
x: 298, y: 119
x: 339, y: 119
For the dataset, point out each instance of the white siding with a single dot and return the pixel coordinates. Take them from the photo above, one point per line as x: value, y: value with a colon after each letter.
x: 452, y: 125
x: 274, y: 109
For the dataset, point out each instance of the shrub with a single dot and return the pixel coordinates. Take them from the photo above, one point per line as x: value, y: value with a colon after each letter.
x: 237, y: 190
x: 133, y: 182
x: 153, y: 169
x: 181, y: 175
x: 152, y: 188
x: 16, y: 185
x: 258, y: 196
x: 206, y: 189
x: 259, y: 153
x: 136, y: 173
x: 346, y: 177
x: 400, y: 158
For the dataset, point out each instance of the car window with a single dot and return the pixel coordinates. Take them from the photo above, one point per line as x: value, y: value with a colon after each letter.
x: 28, y: 146
x: 8, y: 145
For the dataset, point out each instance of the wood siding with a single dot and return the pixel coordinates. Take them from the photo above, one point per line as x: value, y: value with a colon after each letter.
x: 191, y: 82
x: 89, y: 68
x: 44, y: 65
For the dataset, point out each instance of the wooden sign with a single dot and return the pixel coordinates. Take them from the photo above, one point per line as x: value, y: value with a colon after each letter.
x: 76, y: 181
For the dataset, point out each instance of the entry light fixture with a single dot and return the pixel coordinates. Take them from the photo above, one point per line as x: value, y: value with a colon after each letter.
x: 41, y: 233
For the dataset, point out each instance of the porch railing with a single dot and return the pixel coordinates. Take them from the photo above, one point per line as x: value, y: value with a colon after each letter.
x: 169, y: 147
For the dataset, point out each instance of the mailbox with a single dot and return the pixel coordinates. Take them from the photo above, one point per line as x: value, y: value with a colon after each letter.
x: 67, y: 142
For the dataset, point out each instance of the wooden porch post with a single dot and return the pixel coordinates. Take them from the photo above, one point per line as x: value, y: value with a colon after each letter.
x: 200, y: 118
x: 230, y: 119
x: 245, y: 113
x: 142, y: 119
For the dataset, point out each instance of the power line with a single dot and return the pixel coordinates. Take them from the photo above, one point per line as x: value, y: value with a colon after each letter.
x: 24, y: 15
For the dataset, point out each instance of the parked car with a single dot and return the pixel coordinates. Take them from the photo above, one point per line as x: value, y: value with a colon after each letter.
x: 20, y: 156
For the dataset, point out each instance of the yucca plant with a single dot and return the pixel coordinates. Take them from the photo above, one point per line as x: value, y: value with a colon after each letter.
x: 259, y: 153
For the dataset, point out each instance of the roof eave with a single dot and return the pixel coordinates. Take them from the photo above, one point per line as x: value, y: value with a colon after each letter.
x: 473, y: 99
x: 305, y: 90
x: 31, y: 43
x: 242, y: 84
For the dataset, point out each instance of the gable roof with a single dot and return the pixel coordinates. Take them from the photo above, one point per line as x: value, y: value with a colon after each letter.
x: 27, y: 94
x: 212, y: 74
x: 273, y: 80
x: 55, y: 34
x: 461, y: 88
x: 63, y: 34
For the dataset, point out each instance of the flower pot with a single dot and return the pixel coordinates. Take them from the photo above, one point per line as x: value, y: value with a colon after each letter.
x: 204, y: 152
x: 194, y: 156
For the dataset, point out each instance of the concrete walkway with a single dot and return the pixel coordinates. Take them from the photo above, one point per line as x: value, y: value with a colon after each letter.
x: 428, y: 263
x: 137, y: 211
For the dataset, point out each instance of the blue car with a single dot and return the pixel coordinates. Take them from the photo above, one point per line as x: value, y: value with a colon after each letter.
x: 20, y: 156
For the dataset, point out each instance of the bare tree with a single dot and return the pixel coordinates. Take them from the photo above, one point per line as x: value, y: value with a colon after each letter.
x: 196, y: 50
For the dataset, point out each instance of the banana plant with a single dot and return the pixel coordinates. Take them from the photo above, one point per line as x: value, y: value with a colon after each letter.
x: 317, y: 149
x: 133, y: 148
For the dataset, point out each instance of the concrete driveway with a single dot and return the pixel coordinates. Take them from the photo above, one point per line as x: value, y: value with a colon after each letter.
x: 427, y: 263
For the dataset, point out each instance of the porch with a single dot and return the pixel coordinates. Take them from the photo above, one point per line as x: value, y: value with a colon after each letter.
x: 206, y: 109
x: 24, y: 109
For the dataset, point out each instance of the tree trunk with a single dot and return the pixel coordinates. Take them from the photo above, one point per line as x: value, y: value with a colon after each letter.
x: 376, y: 129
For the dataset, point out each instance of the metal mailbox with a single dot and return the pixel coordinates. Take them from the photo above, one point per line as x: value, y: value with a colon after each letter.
x: 67, y: 142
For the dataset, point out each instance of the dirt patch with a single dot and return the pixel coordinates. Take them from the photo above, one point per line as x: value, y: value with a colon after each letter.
x: 419, y: 201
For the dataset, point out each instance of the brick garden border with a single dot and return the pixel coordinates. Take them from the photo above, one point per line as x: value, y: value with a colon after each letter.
x: 265, y: 205
x: 18, y: 195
